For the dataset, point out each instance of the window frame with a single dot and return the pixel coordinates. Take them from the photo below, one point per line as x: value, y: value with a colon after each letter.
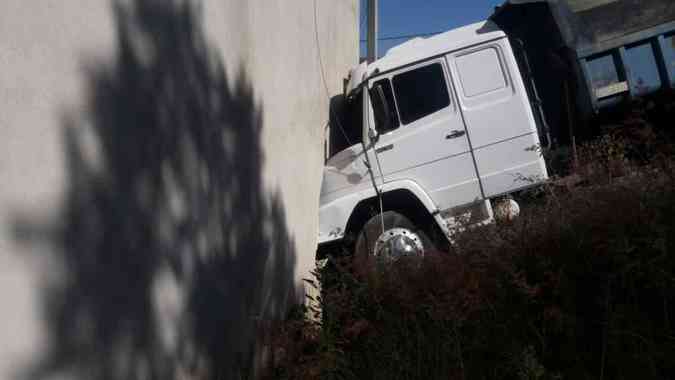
x: 389, y: 75
x: 448, y: 90
x: 394, y: 105
x: 491, y: 97
x: 502, y: 68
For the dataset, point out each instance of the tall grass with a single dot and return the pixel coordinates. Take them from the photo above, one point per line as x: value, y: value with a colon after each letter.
x: 581, y: 286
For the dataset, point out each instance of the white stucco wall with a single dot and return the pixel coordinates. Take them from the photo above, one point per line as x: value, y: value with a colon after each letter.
x: 48, y: 50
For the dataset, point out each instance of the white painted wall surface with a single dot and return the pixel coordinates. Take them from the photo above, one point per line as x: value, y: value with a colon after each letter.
x: 119, y: 254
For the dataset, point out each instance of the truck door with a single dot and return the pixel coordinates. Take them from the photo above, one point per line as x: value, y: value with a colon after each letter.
x: 421, y: 133
x: 499, y: 120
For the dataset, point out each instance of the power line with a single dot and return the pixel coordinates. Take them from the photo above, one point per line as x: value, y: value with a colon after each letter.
x: 402, y: 37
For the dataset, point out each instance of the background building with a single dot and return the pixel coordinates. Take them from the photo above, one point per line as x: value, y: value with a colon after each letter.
x: 160, y: 163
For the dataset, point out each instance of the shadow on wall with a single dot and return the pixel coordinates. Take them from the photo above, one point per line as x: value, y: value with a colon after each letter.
x: 170, y: 250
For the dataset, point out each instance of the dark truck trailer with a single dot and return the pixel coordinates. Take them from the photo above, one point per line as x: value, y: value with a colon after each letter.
x: 585, y: 57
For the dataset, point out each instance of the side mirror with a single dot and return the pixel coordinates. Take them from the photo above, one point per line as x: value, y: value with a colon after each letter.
x: 373, y: 135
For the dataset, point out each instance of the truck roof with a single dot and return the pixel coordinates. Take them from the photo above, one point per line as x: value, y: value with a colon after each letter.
x: 419, y: 49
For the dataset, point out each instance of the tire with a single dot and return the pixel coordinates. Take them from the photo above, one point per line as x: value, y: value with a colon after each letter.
x: 396, y: 226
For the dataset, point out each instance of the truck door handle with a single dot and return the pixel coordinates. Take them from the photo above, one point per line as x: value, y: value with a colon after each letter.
x: 455, y: 134
x: 384, y: 148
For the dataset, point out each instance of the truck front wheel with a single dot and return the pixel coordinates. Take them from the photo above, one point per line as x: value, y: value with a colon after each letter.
x: 399, y: 238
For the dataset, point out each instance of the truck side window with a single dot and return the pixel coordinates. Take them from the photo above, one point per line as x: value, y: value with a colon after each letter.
x: 421, y: 92
x: 481, y: 72
x: 380, y: 110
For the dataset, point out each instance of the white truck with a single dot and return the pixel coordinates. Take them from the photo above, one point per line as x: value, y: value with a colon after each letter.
x: 440, y: 128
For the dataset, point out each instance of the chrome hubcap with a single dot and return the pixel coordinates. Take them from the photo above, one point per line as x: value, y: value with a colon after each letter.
x: 396, y: 243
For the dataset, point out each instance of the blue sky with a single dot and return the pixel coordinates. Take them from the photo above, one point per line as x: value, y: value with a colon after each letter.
x: 404, y: 17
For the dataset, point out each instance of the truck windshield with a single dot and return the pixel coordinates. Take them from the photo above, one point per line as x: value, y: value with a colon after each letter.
x: 347, y: 131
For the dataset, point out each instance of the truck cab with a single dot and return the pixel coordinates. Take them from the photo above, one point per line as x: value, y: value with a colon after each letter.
x: 437, y: 130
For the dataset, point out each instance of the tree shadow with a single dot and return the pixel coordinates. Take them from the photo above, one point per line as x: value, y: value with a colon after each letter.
x: 171, y: 250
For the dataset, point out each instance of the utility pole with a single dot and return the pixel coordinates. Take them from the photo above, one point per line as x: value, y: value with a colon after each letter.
x: 372, y: 30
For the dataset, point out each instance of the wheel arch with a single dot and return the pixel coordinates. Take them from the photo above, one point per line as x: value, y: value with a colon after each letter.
x: 416, y: 206
x: 340, y: 227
